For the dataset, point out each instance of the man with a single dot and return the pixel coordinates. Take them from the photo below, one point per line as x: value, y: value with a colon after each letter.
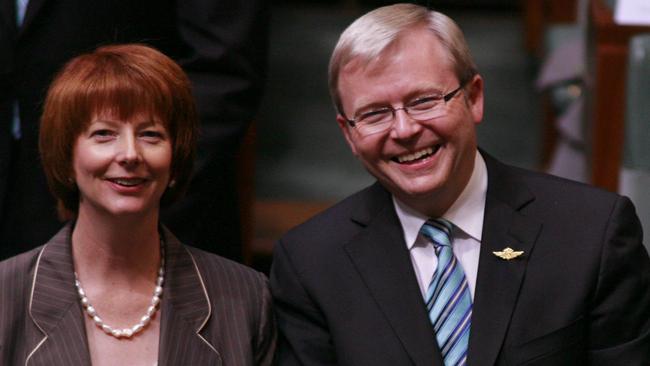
x: 220, y: 44
x: 452, y: 257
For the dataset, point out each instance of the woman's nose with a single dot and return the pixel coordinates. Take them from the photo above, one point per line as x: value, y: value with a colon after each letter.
x: 129, y: 152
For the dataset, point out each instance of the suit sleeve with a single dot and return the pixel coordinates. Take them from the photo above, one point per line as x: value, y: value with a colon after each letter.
x: 304, y: 336
x: 620, y: 315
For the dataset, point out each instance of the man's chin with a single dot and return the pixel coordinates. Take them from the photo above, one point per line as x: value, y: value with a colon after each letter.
x: 415, y: 192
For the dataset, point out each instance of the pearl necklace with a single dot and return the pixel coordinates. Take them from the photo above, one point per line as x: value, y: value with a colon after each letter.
x: 146, y: 318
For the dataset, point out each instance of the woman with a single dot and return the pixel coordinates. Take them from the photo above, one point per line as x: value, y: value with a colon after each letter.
x: 114, y: 287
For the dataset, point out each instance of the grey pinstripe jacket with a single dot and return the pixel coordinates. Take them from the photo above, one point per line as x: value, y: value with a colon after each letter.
x: 214, y: 311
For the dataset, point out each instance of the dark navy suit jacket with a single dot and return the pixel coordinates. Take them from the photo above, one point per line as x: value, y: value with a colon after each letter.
x: 345, y: 291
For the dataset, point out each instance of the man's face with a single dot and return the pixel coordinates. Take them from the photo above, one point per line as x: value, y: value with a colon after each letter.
x: 426, y: 164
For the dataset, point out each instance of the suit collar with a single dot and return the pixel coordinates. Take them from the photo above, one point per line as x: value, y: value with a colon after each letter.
x: 186, y: 309
x: 382, y: 260
x: 56, y: 312
x: 499, y: 281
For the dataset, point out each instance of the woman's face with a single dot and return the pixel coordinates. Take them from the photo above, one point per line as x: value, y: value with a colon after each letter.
x: 122, y: 167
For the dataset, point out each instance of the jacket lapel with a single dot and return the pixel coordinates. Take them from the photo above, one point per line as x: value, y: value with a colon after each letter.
x: 54, y: 308
x: 499, y: 280
x: 185, y: 311
x: 383, y: 261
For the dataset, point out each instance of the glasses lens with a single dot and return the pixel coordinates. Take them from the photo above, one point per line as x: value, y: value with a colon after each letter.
x: 374, y: 121
x: 375, y: 117
x: 423, y: 104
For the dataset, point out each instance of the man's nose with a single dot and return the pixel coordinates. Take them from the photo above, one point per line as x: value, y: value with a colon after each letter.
x: 404, y: 126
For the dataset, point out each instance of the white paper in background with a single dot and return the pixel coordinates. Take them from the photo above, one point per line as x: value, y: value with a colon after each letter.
x: 632, y: 12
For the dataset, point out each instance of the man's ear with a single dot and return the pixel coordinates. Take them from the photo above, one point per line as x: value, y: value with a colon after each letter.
x: 475, y: 98
x: 346, y: 130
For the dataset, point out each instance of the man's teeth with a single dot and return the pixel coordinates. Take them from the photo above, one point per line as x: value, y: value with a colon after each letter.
x: 129, y: 182
x: 415, y: 155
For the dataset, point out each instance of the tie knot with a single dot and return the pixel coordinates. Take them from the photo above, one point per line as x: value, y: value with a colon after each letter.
x: 438, y: 230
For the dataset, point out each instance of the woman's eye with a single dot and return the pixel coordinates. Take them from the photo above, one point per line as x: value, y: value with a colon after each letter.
x: 152, y: 135
x: 102, y: 134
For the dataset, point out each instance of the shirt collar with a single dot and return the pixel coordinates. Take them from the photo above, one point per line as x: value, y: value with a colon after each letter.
x: 466, y: 212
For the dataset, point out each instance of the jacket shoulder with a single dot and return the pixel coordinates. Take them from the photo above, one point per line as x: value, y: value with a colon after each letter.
x: 223, y: 276
x: 15, y: 272
x: 550, y: 190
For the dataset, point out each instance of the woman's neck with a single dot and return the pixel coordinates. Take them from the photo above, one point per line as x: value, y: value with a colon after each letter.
x: 104, y: 244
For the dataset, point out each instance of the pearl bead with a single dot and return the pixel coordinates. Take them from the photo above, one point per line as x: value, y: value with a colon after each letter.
x: 145, y: 320
x: 98, y: 320
x: 91, y: 310
x: 150, y: 310
x: 158, y: 291
x: 107, y: 328
x: 136, y: 328
x: 127, y: 332
x: 117, y: 333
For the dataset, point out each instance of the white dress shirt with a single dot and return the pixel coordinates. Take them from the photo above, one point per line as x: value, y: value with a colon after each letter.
x: 466, y: 213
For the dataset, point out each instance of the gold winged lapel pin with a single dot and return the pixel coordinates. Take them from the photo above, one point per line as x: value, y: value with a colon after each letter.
x: 508, y: 253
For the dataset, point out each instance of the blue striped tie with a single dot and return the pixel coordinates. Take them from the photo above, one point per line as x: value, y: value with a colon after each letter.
x: 448, y: 299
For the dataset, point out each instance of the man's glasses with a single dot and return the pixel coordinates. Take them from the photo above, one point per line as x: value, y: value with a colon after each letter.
x: 421, y: 109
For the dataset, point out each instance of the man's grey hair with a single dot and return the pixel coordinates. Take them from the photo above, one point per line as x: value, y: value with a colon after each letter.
x: 370, y: 35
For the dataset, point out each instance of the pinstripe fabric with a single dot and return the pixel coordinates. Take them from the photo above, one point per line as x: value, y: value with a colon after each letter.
x: 448, y: 299
x: 214, y: 311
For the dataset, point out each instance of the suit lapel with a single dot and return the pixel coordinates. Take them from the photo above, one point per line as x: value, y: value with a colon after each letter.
x: 499, y: 280
x: 185, y: 311
x: 383, y: 261
x: 54, y: 308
